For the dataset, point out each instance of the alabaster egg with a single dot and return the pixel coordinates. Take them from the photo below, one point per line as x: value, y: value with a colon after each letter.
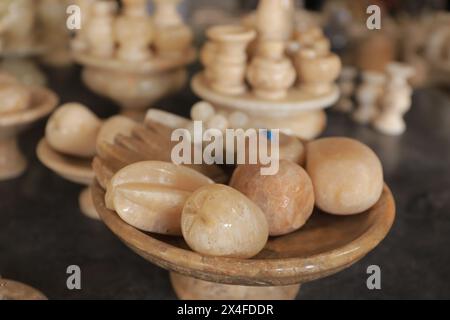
x: 218, y: 220
x: 346, y: 174
x: 286, y: 198
x: 72, y: 130
x: 150, y: 195
x: 114, y: 126
x: 14, y: 97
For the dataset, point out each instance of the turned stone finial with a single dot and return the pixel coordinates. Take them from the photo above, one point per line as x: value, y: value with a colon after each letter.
x: 173, y: 37
x: 226, y: 69
x: 80, y: 42
x: 17, y: 24
x: 368, y: 96
x: 134, y: 31
x: 317, y: 71
x: 346, y: 83
x: 396, y: 100
x: 275, y: 19
x: 100, y: 29
x: 166, y: 13
x: 271, y: 73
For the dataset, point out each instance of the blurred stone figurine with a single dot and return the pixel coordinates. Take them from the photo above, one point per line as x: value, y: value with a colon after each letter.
x: 368, y: 95
x: 271, y: 72
x: 17, y: 20
x: 396, y: 100
x: 226, y: 71
x: 317, y: 70
x: 53, y: 32
x: 172, y: 36
x: 80, y: 42
x: 100, y: 29
x: 134, y: 31
x: 274, y: 19
x: 347, y: 85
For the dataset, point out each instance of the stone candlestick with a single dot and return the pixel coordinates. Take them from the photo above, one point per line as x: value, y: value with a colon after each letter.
x: 226, y: 71
x: 271, y: 73
x: 100, y: 29
x: 368, y: 96
x: 396, y: 100
x: 134, y: 31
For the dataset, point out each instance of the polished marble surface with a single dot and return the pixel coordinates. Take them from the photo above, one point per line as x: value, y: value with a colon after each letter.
x: 42, y: 231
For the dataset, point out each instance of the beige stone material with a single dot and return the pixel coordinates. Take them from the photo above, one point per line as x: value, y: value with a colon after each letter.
x: 396, y: 100
x: 226, y: 70
x: 271, y: 73
x: 275, y: 19
x: 14, y: 97
x: 218, y: 220
x: 134, y: 31
x: 368, y: 96
x: 188, y: 288
x: 150, y: 195
x: 73, y: 130
x: 114, y: 126
x: 286, y: 198
x: 346, y: 174
x: 19, y: 116
x: 100, y: 29
x: 317, y: 73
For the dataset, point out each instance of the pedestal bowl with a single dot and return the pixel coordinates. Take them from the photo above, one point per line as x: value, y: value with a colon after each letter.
x: 135, y: 86
x: 326, y: 245
x: 73, y: 169
x: 300, y: 113
x: 12, y: 161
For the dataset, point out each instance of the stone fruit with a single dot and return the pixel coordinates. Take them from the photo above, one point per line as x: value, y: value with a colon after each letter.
x: 73, y: 130
x: 346, y: 174
x: 218, y: 220
x: 150, y: 195
x: 286, y: 198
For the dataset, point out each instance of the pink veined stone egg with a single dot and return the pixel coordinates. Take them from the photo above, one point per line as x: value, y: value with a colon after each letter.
x: 218, y: 220
x: 286, y: 198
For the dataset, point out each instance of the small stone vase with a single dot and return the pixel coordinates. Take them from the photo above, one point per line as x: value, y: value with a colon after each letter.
x: 317, y: 73
x: 271, y: 73
x: 100, y: 29
x: 134, y: 31
x: 172, y: 36
x: 275, y: 19
x: 226, y: 72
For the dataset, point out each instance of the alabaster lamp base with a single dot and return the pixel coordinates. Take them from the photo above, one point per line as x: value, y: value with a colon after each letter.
x: 187, y: 288
x: 73, y: 169
x: 12, y: 161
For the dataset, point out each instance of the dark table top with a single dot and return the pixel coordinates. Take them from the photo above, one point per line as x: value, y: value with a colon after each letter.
x: 42, y: 231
